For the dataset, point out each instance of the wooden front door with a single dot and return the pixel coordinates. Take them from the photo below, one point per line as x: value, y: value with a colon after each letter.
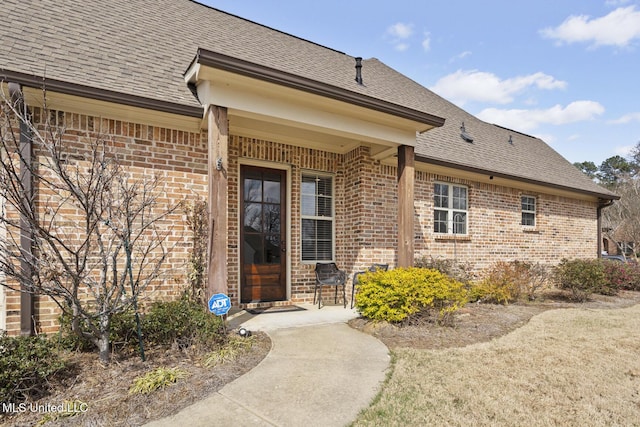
x: 262, y: 235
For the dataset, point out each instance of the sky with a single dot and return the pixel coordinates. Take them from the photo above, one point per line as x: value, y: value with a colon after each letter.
x: 567, y: 71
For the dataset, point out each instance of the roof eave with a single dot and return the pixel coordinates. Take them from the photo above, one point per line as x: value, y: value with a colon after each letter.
x: 603, y: 196
x: 249, y: 69
x: 67, y: 88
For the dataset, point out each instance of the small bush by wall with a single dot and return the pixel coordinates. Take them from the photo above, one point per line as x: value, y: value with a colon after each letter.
x: 506, y: 282
x: 460, y: 271
x: 183, y: 322
x: 396, y: 295
x: 580, y: 276
x: 26, y: 363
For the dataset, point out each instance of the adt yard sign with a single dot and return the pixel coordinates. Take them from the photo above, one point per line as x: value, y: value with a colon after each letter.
x: 219, y: 304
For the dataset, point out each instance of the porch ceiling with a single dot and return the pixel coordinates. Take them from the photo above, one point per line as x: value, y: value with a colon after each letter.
x: 272, y: 131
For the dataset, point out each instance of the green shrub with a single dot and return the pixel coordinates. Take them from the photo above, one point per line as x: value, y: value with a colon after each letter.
x: 510, y: 281
x: 26, y: 364
x: 183, y: 322
x: 580, y: 276
x: 122, y: 334
x: 396, y: 295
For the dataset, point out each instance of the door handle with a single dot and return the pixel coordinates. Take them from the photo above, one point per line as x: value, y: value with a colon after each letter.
x: 283, y: 246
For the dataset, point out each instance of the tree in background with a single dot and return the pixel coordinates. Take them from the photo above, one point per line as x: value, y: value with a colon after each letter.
x: 97, y: 235
x: 588, y: 168
x: 621, y: 221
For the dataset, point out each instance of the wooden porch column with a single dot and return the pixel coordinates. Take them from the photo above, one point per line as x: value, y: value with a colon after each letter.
x: 218, y: 142
x: 406, y: 177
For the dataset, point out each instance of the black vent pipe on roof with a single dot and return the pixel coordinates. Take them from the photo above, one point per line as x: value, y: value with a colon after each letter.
x: 359, y: 70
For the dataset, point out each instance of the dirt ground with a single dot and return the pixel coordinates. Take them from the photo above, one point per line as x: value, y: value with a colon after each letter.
x: 105, y: 389
x: 482, y: 322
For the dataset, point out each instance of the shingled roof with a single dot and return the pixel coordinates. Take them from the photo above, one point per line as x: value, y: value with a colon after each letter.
x: 140, y: 49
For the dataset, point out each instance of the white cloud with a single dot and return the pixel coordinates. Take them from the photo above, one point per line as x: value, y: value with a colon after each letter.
x: 618, y: 28
x: 547, y: 137
x: 399, y: 32
x: 426, y: 42
x: 461, y: 55
x: 527, y: 120
x: 627, y: 118
x: 473, y: 85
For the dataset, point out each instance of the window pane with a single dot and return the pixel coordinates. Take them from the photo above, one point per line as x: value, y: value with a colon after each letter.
x: 271, y: 218
x: 324, y: 206
x: 528, y: 218
x: 459, y: 198
x: 308, y: 205
x: 317, y: 234
x: 440, y: 196
x: 528, y: 204
x: 459, y: 223
x: 253, y: 249
x: 308, y: 186
x: 308, y: 250
x: 439, y: 221
x: 324, y: 230
x: 324, y: 186
x: 272, y: 250
x: 324, y: 252
x: 271, y: 191
x: 308, y: 229
x: 253, y: 217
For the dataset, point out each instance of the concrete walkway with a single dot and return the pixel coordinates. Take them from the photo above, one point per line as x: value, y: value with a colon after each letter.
x: 319, y: 372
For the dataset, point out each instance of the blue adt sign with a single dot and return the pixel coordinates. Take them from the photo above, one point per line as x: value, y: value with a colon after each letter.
x: 219, y: 304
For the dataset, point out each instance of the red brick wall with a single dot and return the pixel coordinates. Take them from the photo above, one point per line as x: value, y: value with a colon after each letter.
x: 177, y: 158
x: 365, y: 208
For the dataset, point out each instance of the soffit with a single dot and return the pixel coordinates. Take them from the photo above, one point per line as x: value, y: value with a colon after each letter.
x: 258, y: 107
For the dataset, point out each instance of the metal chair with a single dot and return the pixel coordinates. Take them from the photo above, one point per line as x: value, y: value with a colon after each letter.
x: 328, y: 274
x: 354, y: 282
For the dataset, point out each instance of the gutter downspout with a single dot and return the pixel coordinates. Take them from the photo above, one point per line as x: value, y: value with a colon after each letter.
x: 602, y: 203
x: 27, y: 326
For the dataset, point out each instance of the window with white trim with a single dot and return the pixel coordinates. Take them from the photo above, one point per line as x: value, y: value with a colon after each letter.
x: 528, y: 210
x: 316, y: 206
x: 450, y: 208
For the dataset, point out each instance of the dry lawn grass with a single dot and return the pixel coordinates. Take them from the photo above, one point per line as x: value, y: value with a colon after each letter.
x: 569, y: 367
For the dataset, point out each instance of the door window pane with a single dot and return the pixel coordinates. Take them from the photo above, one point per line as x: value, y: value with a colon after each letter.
x: 252, y: 190
x: 253, y: 217
x: 271, y: 192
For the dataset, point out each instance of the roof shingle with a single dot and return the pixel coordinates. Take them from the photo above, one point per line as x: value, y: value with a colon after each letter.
x: 143, y: 47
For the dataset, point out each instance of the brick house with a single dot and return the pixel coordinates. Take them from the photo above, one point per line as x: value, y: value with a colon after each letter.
x: 305, y: 153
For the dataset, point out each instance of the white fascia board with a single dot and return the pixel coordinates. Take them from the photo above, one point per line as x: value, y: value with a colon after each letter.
x: 251, y: 98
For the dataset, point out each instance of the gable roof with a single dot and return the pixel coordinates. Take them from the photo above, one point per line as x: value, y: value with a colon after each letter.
x: 137, y: 51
